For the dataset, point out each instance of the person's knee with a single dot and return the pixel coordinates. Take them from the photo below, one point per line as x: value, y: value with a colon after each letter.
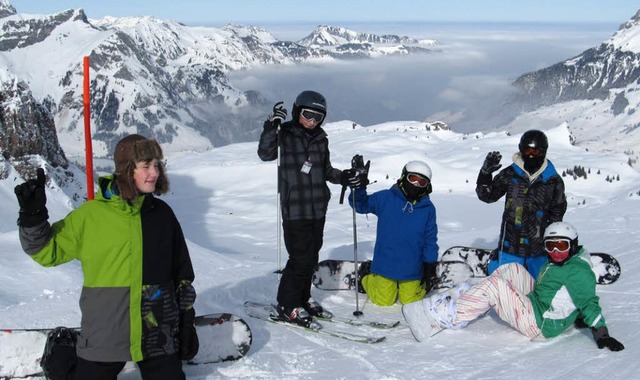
x: 410, y: 291
x: 379, y: 291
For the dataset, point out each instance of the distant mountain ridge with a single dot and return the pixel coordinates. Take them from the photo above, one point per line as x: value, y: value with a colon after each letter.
x: 156, y: 77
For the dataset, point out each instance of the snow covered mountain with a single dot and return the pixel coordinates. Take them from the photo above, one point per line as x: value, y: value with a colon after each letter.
x: 151, y: 76
x: 345, y: 41
x: 596, y: 93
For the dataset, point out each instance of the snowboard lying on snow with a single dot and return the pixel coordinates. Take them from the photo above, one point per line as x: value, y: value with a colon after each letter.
x: 335, y: 275
x: 456, y: 265
x: 459, y: 263
x: 222, y: 337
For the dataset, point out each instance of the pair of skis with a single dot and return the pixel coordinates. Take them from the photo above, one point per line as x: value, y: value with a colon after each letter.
x: 267, y: 312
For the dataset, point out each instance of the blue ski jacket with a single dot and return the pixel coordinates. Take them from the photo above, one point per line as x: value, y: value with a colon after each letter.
x: 406, y: 236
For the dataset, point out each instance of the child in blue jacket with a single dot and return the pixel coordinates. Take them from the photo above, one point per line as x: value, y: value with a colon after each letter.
x: 406, y: 236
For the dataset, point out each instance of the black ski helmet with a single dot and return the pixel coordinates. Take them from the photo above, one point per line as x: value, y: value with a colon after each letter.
x: 533, y: 139
x: 533, y: 149
x: 309, y: 99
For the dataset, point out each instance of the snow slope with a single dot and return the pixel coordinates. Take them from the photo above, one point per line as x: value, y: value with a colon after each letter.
x: 225, y: 199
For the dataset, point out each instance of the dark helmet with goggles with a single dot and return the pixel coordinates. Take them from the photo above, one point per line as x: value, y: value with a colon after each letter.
x: 533, y: 144
x: 311, y: 105
x: 533, y: 149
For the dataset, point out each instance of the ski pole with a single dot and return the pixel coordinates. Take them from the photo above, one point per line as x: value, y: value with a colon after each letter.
x: 278, y: 211
x: 357, y: 313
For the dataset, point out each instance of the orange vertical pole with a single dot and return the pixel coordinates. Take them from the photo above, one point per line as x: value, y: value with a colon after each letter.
x: 87, y: 131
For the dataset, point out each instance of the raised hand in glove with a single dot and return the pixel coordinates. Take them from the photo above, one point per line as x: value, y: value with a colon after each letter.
x: 278, y: 114
x: 491, y: 163
x: 362, y: 170
x: 602, y: 338
x: 32, y: 200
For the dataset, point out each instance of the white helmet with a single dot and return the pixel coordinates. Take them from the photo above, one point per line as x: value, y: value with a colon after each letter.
x: 418, y: 167
x: 561, y: 230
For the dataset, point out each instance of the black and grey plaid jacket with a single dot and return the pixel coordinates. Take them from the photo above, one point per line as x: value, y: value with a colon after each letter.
x: 302, y: 195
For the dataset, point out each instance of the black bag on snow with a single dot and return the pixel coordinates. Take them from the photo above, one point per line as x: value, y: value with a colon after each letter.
x: 59, y: 358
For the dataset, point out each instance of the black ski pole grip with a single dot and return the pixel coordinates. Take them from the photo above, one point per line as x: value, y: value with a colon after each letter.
x: 344, y: 190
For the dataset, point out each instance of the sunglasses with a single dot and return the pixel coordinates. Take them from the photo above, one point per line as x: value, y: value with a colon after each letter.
x: 532, y: 152
x: 560, y: 245
x: 309, y: 114
x: 417, y: 180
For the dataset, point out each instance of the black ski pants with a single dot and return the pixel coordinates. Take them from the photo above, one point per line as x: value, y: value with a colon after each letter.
x: 167, y: 367
x: 303, y: 240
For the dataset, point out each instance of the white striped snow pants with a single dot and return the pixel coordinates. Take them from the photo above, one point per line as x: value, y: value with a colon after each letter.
x: 506, y: 292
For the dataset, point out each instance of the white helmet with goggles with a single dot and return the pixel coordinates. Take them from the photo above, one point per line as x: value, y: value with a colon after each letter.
x: 417, y: 167
x: 415, y: 180
x: 560, y: 242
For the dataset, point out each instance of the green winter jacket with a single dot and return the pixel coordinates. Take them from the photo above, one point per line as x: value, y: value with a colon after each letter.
x: 564, y: 292
x: 136, y: 266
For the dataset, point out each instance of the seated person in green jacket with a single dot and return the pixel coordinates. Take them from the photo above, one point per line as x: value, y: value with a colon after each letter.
x: 564, y: 291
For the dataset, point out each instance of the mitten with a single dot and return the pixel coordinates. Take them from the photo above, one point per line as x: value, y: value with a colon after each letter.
x: 189, y: 343
x: 188, y: 336
x: 32, y: 200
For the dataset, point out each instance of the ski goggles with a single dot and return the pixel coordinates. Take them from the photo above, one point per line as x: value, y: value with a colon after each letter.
x: 309, y: 114
x: 557, y: 245
x: 417, y: 180
x: 532, y: 152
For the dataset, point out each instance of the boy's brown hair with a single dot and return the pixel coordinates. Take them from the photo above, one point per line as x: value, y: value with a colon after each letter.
x: 131, y: 149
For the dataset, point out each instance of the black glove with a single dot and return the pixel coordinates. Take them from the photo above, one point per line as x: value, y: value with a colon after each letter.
x: 32, y: 200
x: 362, y: 171
x: 602, y: 338
x: 491, y: 163
x: 189, y: 343
x: 349, y: 178
x: 278, y: 114
x: 429, y: 276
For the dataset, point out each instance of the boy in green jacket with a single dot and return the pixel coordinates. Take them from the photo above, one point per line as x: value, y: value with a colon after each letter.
x: 564, y: 291
x: 137, y: 296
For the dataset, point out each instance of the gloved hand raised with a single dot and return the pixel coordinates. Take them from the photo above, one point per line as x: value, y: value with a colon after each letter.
x: 32, y: 200
x: 278, y: 114
x: 491, y: 163
x: 602, y: 338
x: 362, y: 170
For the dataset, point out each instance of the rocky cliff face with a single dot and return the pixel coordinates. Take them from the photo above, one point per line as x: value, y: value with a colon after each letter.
x: 29, y: 141
x: 27, y: 126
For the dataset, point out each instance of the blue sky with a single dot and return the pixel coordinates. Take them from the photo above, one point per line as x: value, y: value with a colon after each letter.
x: 207, y: 11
